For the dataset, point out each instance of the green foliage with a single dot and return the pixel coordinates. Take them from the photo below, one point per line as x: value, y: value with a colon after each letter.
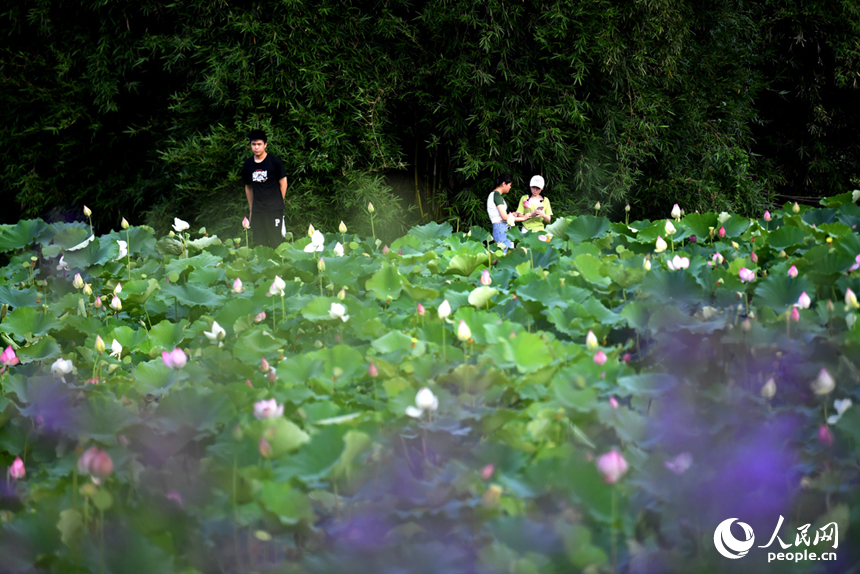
x: 503, y: 460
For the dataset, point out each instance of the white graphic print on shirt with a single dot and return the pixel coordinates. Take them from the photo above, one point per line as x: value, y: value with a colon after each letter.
x: 260, y: 176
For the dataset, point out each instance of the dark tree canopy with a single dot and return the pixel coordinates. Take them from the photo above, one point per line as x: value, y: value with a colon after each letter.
x: 142, y: 107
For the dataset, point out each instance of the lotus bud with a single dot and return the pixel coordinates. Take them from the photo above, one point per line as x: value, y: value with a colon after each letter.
x: 338, y: 249
x: 754, y: 257
x: 792, y: 271
x: 101, y: 464
x: 341, y: 295
x: 795, y: 314
x: 264, y: 365
x: 246, y: 224
x: 735, y: 245
x: 851, y: 300
x: 98, y: 303
x: 487, y: 472
x: 321, y: 265
x: 661, y: 245
x: 795, y: 208
x: 372, y: 371
x: 613, y: 402
x: 627, y: 208
x: 829, y: 306
x: 342, y: 227
x: 87, y: 211
x: 419, y: 308
x: 676, y: 212
x: 116, y: 304
x: 100, y: 345
x: 118, y: 289
x: 767, y: 216
x: 824, y: 383
x: 272, y: 376
x: 611, y: 466
x: 485, y: 277
x: 78, y: 282
x: 600, y: 357
x: 426, y: 400
x: 804, y: 301
x: 782, y: 254
x: 669, y: 228
x: 463, y: 332
x: 597, y: 206
x: 385, y: 250
x: 124, y: 223
x: 768, y: 390
x: 311, y: 230
x: 237, y: 286
x: 265, y: 448
x: 17, y: 470
x: 88, y: 289
x: 825, y: 437
x: 591, y: 341
x: 647, y: 265
x: 445, y: 310
x: 370, y: 207
x: 722, y: 232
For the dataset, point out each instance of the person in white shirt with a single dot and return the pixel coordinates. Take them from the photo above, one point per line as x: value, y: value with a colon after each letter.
x: 497, y: 209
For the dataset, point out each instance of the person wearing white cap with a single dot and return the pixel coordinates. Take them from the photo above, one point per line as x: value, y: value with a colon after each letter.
x: 535, y: 205
x: 497, y: 209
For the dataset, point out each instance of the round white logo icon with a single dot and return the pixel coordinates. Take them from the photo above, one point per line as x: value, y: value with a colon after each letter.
x: 727, y: 544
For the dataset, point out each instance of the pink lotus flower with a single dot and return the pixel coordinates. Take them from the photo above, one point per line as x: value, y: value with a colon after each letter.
x: 721, y: 232
x: 767, y: 216
x: 746, y: 275
x: 485, y: 277
x: 8, y: 358
x: 804, y: 301
x: 856, y: 265
x: 795, y: 314
x: 825, y: 436
x: 611, y: 466
x: 95, y: 462
x: 175, y: 359
x: 677, y: 263
x: 17, y: 470
x: 600, y: 357
x: 718, y: 259
x: 613, y: 402
x: 260, y: 318
x: 268, y: 409
x: 792, y: 271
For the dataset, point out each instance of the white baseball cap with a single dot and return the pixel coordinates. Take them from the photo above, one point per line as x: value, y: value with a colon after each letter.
x: 537, y: 181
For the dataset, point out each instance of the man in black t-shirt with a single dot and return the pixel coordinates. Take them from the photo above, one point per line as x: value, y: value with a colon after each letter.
x: 265, y: 182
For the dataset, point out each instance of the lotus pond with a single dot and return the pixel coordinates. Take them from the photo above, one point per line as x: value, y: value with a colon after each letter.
x: 599, y: 399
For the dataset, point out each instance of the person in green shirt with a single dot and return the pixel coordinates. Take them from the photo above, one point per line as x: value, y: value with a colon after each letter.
x: 536, y: 206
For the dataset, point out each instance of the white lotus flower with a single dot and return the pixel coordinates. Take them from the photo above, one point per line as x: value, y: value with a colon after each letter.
x: 62, y: 367
x: 179, y: 226
x: 841, y: 405
x: 677, y: 263
x: 123, y: 248
x: 116, y: 304
x: 660, y: 245
x: 268, y: 409
x: 216, y: 334
x: 804, y: 301
x: 670, y: 229
x: 317, y: 242
x: 278, y: 286
x: 676, y: 212
x: 591, y: 341
x: 116, y: 349
x: 425, y: 400
x: 338, y: 249
x: 338, y: 311
x: 723, y: 217
x: 62, y: 265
